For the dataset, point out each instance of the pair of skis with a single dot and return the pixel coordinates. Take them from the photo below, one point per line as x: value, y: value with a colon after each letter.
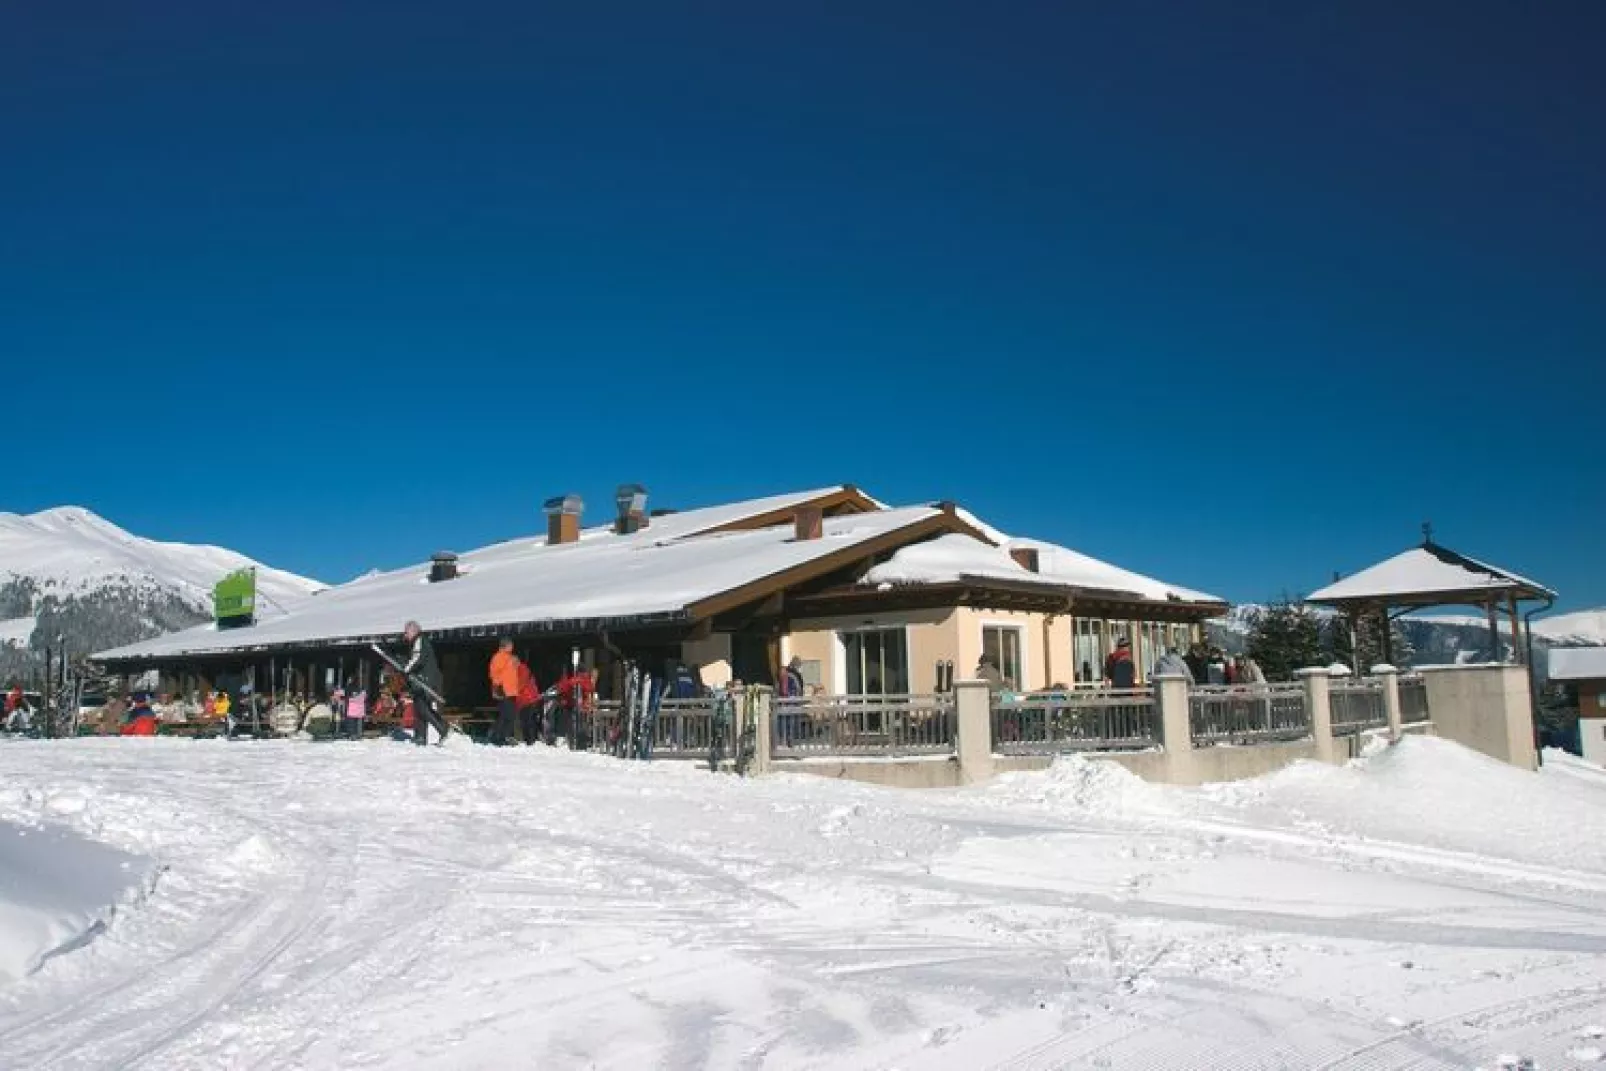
x: 639, y: 715
x: 420, y: 720
x: 744, y: 740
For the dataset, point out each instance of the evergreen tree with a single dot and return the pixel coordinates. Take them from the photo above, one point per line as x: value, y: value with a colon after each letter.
x: 1367, y: 636
x: 1284, y: 637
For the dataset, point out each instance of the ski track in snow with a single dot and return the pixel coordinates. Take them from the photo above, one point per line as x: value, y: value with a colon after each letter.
x: 331, y: 906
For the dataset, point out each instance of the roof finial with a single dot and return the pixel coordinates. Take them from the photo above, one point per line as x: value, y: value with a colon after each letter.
x: 1427, y: 532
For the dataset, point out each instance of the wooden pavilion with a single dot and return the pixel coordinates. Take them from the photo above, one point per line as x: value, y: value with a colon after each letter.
x: 1432, y: 575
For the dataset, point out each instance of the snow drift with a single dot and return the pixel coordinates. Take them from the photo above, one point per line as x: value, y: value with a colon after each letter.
x: 57, y: 893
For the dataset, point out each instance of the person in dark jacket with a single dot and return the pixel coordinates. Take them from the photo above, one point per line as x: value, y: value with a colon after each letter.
x: 423, y: 675
x: 1118, y: 668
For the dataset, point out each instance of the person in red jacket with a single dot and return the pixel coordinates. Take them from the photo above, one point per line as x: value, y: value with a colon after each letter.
x: 141, y: 719
x: 529, y: 702
x: 577, y: 697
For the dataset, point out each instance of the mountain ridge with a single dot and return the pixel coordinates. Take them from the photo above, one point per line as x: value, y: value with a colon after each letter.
x: 68, y: 572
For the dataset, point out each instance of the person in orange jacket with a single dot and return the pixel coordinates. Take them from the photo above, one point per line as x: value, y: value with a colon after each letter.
x: 529, y: 704
x: 505, y: 690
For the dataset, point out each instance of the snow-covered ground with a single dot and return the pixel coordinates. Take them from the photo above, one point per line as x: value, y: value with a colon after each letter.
x: 372, y: 905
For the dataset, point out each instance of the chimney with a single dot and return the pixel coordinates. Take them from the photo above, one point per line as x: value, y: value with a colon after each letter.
x: 442, y: 566
x: 631, y: 498
x: 810, y: 521
x: 563, y: 519
x: 1025, y: 557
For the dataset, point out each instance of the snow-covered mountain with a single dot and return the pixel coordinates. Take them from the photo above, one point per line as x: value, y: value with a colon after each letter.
x: 1438, y: 639
x: 68, y: 571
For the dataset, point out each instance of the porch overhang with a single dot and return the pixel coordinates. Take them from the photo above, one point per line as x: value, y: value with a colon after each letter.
x: 996, y: 594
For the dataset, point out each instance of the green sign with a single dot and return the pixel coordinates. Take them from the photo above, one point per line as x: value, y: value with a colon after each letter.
x: 235, y: 596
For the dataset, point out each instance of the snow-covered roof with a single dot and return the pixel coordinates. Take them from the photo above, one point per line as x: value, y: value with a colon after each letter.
x: 1426, y: 571
x: 1577, y: 663
x: 654, y: 574
x: 953, y: 558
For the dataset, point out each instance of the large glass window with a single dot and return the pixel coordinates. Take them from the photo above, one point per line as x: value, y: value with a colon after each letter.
x: 1090, y: 647
x: 877, y: 661
x: 1002, y: 642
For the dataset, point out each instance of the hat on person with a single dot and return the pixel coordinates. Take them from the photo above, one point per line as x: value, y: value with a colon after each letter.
x: 1123, y: 642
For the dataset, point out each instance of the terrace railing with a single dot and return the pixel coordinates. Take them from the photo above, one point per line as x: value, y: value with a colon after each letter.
x: 1248, y: 714
x: 1413, y: 699
x: 862, y: 725
x: 684, y: 728
x: 1357, y: 705
x: 1103, y: 720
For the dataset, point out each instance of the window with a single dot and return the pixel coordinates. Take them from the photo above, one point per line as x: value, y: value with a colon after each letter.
x: 877, y: 661
x: 1002, y: 642
x: 1088, y: 649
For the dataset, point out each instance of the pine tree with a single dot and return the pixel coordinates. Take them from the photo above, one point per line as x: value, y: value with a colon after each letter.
x: 1367, y: 636
x: 1285, y: 637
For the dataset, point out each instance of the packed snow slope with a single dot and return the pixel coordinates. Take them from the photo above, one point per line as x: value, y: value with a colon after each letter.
x: 374, y: 905
x: 70, y: 550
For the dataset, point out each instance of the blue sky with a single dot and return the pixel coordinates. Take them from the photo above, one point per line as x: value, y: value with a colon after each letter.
x: 1236, y: 297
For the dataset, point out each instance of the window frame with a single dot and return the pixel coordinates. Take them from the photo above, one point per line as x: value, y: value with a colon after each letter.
x: 843, y: 660
x: 1022, y: 670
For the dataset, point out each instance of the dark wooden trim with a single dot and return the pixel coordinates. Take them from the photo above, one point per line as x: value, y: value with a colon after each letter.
x: 938, y: 523
x: 996, y: 595
x: 847, y: 500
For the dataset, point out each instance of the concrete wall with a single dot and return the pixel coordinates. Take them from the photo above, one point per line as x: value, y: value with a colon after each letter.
x: 898, y: 773
x: 1488, y: 708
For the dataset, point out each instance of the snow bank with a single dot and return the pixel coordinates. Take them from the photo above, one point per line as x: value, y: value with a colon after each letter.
x: 57, y: 893
x: 1437, y: 794
x: 1084, y: 787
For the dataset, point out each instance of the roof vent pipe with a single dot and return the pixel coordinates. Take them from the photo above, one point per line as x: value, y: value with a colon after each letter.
x: 563, y: 519
x: 1025, y: 557
x: 810, y: 522
x: 442, y: 566
x: 631, y: 498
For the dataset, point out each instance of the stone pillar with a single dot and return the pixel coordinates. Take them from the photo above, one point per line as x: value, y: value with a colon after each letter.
x: 1488, y: 708
x: 973, y: 730
x: 1318, y: 683
x: 1174, y: 724
x: 763, y: 730
x: 1391, y: 698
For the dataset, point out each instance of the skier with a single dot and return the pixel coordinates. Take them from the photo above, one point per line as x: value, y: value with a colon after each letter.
x: 356, y: 708
x: 504, y: 672
x: 1119, y: 672
x: 529, y: 704
x: 423, y: 676
x: 987, y: 670
x: 1172, y: 664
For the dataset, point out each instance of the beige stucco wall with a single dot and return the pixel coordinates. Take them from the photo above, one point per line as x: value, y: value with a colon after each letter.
x: 712, y: 656
x: 1040, y: 660
x: 931, y: 638
x: 952, y: 634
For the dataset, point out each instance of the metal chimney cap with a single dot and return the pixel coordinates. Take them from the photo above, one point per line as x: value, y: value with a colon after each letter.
x: 630, y: 498
x: 563, y: 504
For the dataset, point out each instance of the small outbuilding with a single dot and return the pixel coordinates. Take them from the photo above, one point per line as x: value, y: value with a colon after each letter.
x: 1583, y: 670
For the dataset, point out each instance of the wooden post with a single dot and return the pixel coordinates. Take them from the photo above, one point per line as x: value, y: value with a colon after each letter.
x: 1517, y: 654
x: 1494, y: 632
